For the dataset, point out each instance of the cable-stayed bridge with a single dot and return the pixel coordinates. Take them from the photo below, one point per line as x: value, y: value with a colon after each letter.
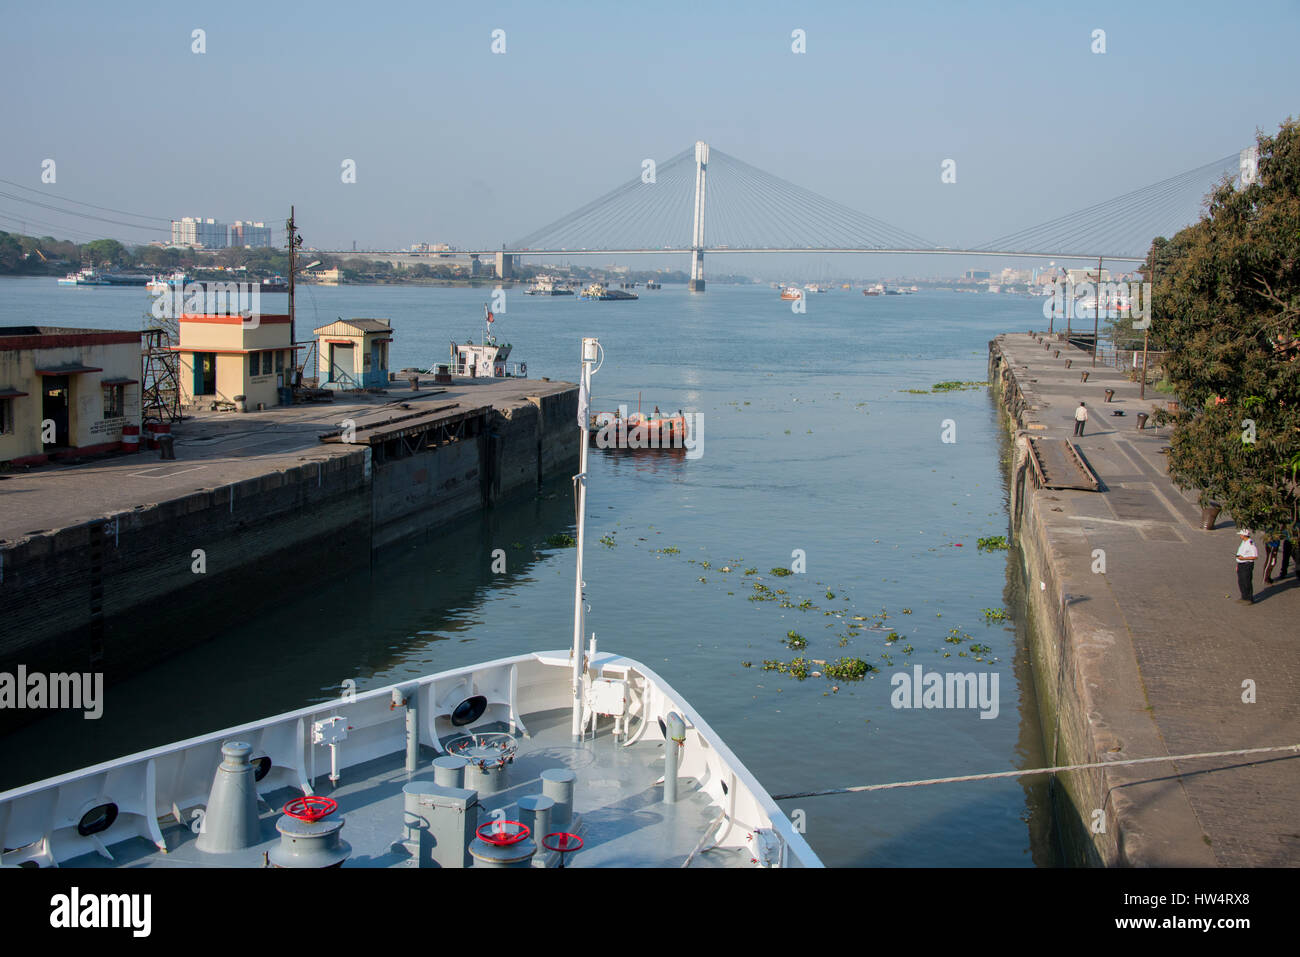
x: 703, y: 200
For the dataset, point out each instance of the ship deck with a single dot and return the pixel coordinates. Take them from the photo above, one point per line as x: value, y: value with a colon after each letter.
x: 623, y: 820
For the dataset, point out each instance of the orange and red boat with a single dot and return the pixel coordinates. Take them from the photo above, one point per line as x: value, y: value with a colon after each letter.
x: 615, y: 430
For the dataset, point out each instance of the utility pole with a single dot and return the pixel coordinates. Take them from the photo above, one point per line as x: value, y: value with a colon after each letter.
x: 1096, y: 314
x: 294, y: 242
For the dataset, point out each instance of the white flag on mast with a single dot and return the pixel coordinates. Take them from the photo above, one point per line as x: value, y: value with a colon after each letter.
x: 584, y: 402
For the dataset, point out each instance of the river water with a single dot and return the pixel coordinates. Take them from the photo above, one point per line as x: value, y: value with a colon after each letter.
x: 812, y: 451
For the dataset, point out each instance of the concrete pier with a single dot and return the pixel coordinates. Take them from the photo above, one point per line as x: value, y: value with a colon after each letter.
x: 1140, y: 647
x: 113, y: 564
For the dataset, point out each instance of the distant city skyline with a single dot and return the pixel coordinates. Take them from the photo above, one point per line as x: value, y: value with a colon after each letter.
x: 450, y: 142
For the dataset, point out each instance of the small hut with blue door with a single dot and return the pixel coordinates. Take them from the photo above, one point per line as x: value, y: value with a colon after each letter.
x: 354, y: 353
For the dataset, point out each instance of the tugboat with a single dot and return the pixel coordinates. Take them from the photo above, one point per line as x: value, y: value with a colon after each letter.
x: 487, y: 359
x: 876, y: 290
x: 618, y: 430
x: 550, y: 758
x: 652, y: 284
x: 791, y: 292
x: 85, y: 277
x: 597, y: 292
x: 546, y: 286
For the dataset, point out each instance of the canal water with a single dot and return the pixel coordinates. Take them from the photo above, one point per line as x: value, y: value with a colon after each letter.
x: 815, y: 455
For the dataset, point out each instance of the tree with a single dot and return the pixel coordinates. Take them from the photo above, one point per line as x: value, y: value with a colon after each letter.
x: 104, y: 252
x: 1227, y: 310
x: 11, y: 253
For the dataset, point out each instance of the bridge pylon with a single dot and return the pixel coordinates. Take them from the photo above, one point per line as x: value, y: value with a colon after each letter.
x: 697, y: 234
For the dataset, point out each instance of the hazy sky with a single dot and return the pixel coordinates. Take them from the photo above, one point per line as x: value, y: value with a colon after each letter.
x: 454, y: 143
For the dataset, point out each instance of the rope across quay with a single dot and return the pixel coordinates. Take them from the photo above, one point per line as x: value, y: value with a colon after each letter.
x: 1128, y: 762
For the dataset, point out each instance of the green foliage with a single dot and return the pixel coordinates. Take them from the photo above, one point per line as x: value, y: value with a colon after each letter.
x: 561, y: 540
x: 992, y: 543
x: 1227, y: 308
x: 848, y: 669
x: 795, y: 640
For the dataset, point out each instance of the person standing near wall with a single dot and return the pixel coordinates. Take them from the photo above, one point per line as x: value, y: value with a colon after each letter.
x: 1246, y: 555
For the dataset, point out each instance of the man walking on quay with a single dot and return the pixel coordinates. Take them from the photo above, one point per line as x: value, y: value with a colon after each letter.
x: 1246, y: 556
x: 1080, y: 417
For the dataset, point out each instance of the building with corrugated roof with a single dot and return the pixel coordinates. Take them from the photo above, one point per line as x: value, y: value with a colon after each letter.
x: 354, y: 353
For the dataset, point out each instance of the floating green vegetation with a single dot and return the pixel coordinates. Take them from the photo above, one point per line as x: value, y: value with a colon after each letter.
x: 805, y: 604
x: 751, y: 571
x: 996, y: 614
x: 795, y: 640
x: 907, y: 611
x: 980, y: 649
x: 607, y: 540
x: 892, y: 637
x: 993, y: 543
x: 849, y: 669
x: 705, y: 565
x: 916, y: 391
x: 746, y: 664
x: 908, y: 649
x: 517, y: 545
x: 797, y: 668
x: 561, y: 540
x: 957, y: 386
x: 762, y: 593
x: 670, y: 550
x: 780, y: 572
x: 954, y: 637
x: 829, y: 594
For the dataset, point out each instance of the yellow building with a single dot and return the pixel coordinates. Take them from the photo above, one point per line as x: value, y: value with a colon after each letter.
x: 222, y: 357
x: 354, y: 353
x: 66, y: 392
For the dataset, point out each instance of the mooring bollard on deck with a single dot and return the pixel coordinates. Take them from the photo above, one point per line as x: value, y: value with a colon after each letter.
x: 1142, y: 421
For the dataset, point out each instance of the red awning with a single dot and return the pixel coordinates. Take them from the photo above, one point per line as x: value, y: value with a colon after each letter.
x: 72, y: 369
x: 11, y: 394
x: 119, y: 381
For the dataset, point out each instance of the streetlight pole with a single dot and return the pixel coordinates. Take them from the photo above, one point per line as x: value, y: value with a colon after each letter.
x: 1096, y: 314
x: 1146, y: 332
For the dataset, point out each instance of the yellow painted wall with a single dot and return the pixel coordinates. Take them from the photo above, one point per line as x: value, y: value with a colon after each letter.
x: 87, y: 425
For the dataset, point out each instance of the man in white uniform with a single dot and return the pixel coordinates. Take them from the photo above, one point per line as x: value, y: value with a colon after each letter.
x: 1080, y: 417
x: 1246, y: 556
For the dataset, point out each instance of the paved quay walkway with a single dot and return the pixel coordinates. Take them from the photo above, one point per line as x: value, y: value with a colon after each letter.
x: 1167, y: 603
x: 216, y: 448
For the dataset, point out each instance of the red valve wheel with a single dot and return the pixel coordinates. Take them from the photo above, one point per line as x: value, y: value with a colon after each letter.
x: 499, y: 835
x: 562, y: 841
x: 311, y: 808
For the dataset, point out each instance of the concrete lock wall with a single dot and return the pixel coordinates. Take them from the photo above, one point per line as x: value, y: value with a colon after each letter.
x: 1065, y: 704
x: 118, y: 594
